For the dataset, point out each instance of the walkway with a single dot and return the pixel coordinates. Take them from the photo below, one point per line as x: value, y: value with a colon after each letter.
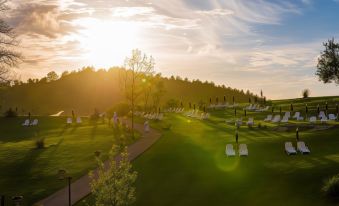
x: 81, y: 188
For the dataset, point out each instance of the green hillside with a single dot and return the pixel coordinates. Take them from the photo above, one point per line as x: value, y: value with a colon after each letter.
x: 87, y: 89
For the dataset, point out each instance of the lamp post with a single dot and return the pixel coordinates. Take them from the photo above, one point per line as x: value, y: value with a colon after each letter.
x: 62, y: 176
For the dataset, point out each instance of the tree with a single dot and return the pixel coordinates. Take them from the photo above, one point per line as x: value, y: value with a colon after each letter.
x: 113, y: 184
x: 8, y: 56
x: 137, y: 66
x: 328, y: 63
x: 52, y: 76
x: 306, y: 93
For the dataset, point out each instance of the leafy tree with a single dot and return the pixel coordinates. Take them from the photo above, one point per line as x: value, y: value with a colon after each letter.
x: 52, y: 76
x: 306, y: 93
x: 328, y: 63
x: 113, y: 185
x: 137, y: 66
x: 8, y: 56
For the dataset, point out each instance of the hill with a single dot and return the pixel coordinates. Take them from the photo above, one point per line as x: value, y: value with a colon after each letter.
x: 87, y: 89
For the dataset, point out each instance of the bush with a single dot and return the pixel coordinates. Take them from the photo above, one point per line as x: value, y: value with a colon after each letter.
x: 331, y: 187
x: 121, y: 109
x: 40, y: 143
x: 95, y: 116
x: 10, y: 113
x: 259, y: 125
x: 306, y: 93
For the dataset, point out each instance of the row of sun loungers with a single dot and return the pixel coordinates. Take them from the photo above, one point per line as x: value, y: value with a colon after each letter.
x: 175, y: 110
x: 222, y: 105
x: 150, y: 116
x: 229, y: 151
x: 312, y: 119
x: 301, y: 147
x: 256, y: 108
x: 28, y: 123
x: 197, y: 114
x: 70, y: 120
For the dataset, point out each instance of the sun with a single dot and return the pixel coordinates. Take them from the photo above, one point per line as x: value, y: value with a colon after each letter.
x: 107, y: 43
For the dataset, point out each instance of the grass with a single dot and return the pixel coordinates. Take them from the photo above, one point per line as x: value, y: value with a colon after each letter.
x: 188, y: 166
x: 31, y: 172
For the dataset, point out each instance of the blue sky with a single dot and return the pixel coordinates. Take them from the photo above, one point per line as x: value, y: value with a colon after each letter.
x: 246, y: 44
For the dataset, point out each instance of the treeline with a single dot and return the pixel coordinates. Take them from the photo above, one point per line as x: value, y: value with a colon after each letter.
x: 87, y: 89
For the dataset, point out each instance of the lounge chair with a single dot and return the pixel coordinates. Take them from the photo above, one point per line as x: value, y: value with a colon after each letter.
x: 69, y: 120
x: 79, y: 120
x: 296, y: 115
x: 302, y: 148
x: 276, y: 118
x: 332, y: 117
x: 268, y: 118
x: 229, y: 150
x: 289, y: 148
x: 26, y: 123
x: 287, y: 114
x: 323, y: 119
x: 321, y: 114
x: 35, y: 122
x: 313, y: 119
x: 243, y: 151
x: 284, y: 120
x: 250, y: 122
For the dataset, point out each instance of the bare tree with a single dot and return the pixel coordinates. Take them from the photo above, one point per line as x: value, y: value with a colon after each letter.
x: 8, y: 56
x: 137, y: 66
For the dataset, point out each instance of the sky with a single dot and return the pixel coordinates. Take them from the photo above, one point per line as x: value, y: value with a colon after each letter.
x: 245, y: 44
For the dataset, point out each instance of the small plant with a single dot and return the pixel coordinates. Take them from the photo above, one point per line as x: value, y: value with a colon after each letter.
x: 306, y: 93
x: 11, y: 113
x: 40, y: 143
x: 259, y: 125
x: 331, y: 187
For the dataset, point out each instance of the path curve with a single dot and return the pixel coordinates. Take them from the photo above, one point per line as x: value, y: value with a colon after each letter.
x: 81, y: 187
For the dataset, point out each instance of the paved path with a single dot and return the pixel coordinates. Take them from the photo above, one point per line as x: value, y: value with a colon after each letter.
x: 80, y: 188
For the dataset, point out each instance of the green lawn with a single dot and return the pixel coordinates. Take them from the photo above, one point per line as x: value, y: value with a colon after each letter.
x: 188, y: 165
x: 31, y: 172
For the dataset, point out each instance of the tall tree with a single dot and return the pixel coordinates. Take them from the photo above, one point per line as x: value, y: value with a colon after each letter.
x: 8, y: 42
x: 328, y: 63
x: 52, y: 76
x: 113, y: 184
x: 138, y: 65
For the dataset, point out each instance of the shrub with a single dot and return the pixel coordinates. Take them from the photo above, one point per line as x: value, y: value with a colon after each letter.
x: 331, y: 187
x: 10, y: 113
x: 306, y: 93
x: 121, y: 109
x: 95, y: 116
x: 259, y: 125
x: 40, y: 143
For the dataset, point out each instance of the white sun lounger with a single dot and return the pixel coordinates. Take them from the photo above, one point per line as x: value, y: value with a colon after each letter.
x: 287, y: 114
x: 284, y: 120
x: 289, y: 148
x: 302, y: 148
x: 79, y: 120
x: 276, y: 118
x: 35, y: 122
x: 296, y: 115
x: 322, y: 114
x: 323, y: 119
x: 332, y: 117
x: 243, y: 151
x: 26, y: 123
x: 268, y: 118
x: 229, y: 150
x: 313, y: 119
x: 250, y: 121
x: 69, y: 120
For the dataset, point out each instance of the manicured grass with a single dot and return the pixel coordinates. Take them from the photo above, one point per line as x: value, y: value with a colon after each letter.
x: 188, y: 165
x: 32, y: 172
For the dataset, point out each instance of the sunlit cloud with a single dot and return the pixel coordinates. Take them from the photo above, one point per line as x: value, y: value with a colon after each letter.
x: 225, y: 41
